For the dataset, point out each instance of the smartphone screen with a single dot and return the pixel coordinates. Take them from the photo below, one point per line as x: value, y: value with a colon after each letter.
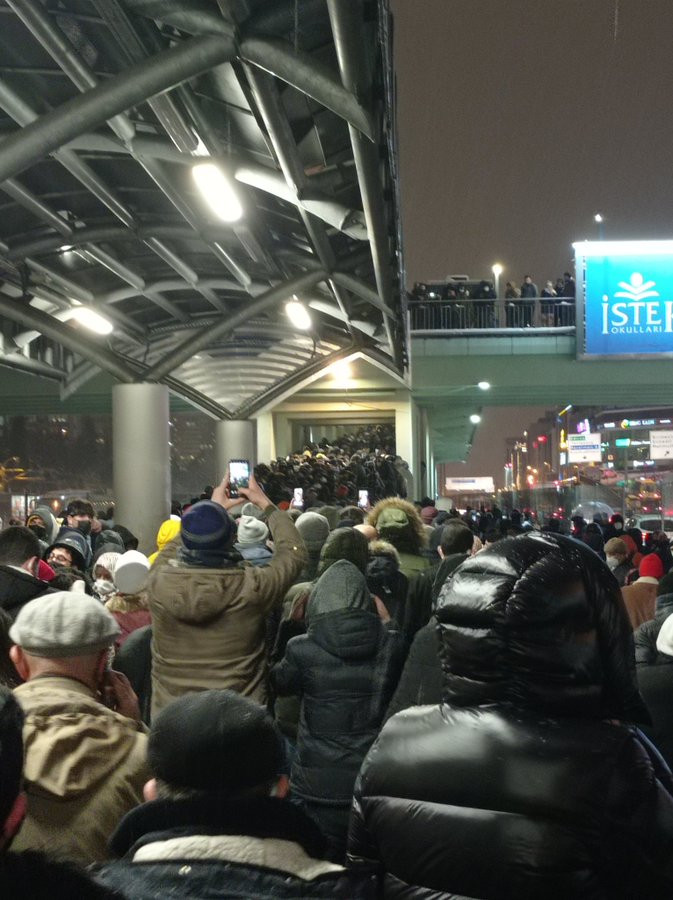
x: 239, y: 475
x: 363, y: 499
x: 298, y: 498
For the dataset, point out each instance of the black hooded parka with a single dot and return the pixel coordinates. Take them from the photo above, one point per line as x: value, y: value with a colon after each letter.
x: 530, y: 780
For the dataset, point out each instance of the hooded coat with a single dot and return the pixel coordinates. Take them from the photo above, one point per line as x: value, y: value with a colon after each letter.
x: 529, y: 780
x: 85, y: 767
x: 345, y: 669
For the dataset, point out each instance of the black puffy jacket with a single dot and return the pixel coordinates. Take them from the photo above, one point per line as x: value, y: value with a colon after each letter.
x: 345, y: 670
x: 528, y: 781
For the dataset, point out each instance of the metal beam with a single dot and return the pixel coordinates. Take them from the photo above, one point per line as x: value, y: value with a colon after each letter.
x: 38, y: 21
x: 132, y: 86
x: 344, y: 218
x: 206, y: 336
x: 347, y: 30
x: 308, y: 75
x: 33, y: 318
x: 23, y: 114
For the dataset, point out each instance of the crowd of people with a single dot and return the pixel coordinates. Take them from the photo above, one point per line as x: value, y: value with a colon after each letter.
x: 331, y: 701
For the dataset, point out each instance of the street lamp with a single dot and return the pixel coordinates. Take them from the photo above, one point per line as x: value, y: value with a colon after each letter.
x: 475, y: 418
x: 496, y: 268
x: 600, y: 221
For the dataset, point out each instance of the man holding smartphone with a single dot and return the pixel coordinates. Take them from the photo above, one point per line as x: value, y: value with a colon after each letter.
x: 209, y: 609
x: 85, y: 746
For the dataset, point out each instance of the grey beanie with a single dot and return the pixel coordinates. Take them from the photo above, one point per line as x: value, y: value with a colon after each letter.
x: 251, y: 531
x: 314, y: 529
x: 251, y: 509
x: 64, y: 624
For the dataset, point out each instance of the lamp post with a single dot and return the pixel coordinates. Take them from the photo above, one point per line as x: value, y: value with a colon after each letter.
x: 496, y: 268
x: 600, y: 221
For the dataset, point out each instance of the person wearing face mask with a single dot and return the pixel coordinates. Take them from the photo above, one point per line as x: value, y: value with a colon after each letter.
x: 79, y: 517
x: 103, y: 572
x: 43, y: 525
x: 617, y: 558
x: 19, y: 559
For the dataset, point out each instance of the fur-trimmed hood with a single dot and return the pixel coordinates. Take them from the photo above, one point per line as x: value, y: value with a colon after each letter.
x: 406, y: 536
x: 383, y: 548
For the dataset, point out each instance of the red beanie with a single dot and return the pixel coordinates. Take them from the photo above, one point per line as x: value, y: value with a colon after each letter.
x: 651, y: 565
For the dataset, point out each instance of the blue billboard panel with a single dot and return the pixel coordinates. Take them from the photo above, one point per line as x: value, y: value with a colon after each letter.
x: 628, y: 297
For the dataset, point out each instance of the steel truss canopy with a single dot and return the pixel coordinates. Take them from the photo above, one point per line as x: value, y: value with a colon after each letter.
x: 106, y: 109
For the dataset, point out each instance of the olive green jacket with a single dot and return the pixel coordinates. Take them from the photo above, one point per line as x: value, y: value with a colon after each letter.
x: 209, y: 625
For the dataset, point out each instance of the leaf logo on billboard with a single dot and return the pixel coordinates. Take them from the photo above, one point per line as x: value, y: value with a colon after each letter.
x: 634, y: 309
x: 637, y: 288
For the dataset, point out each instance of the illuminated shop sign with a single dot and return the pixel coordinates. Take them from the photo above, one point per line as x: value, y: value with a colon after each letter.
x: 628, y: 298
x: 633, y: 423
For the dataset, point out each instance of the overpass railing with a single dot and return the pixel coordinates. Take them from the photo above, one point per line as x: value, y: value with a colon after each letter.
x: 482, y: 315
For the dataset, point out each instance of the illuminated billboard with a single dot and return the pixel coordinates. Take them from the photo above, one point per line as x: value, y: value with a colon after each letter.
x: 625, y: 298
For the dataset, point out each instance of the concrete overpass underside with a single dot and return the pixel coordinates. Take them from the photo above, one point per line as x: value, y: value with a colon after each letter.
x: 522, y: 370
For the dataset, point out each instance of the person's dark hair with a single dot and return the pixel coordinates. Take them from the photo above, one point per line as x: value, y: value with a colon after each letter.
x: 456, y: 538
x: 493, y: 535
x: 11, y: 751
x: 79, y: 508
x: 9, y: 677
x: 353, y: 513
x: 17, y: 544
x: 665, y: 585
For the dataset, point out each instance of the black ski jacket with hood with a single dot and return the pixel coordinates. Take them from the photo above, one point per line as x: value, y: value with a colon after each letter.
x: 345, y: 669
x: 530, y: 780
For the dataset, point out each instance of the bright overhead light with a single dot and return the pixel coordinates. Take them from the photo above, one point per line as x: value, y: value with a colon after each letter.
x: 496, y: 268
x: 92, y: 320
x: 341, y: 370
x: 484, y: 385
x: 298, y: 314
x: 598, y: 218
x: 475, y: 418
x: 217, y: 192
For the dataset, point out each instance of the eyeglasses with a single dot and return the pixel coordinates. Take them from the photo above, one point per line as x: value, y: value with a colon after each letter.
x: 59, y: 558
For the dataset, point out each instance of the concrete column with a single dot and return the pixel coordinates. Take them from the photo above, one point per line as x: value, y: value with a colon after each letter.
x: 406, y: 437
x: 234, y: 439
x: 141, y: 459
x: 266, y: 438
x: 283, y: 433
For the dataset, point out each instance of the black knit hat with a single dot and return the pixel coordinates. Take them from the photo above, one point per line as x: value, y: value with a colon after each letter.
x: 215, y: 741
x: 11, y: 751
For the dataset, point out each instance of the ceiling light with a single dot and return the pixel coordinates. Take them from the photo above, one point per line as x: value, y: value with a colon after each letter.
x: 217, y: 192
x: 341, y: 370
x: 475, y: 418
x: 484, y: 385
x: 298, y: 314
x: 92, y: 320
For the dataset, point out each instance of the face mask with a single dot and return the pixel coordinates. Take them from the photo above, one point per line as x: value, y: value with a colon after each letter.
x: 618, y: 526
x: 84, y: 527
x: 39, y: 531
x: 103, y: 587
x: 612, y: 562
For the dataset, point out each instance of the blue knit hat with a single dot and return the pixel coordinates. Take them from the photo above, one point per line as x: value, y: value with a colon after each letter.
x: 206, y: 526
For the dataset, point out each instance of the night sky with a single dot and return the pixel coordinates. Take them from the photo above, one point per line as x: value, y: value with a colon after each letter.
x: 518, y: 120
